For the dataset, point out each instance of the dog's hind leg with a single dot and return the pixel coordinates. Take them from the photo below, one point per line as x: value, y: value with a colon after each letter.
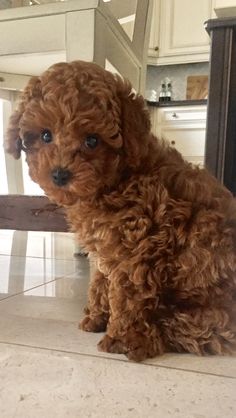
x: 200, y: 331
x: 97, y: 312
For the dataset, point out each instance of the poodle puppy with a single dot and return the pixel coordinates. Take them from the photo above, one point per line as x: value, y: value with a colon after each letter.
x: 163, y: 231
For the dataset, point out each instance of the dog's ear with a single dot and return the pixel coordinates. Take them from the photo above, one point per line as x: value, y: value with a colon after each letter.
x: 135, y: 122
x: 12, y: 142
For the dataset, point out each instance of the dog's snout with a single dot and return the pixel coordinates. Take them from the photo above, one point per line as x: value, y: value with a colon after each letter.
x: 60, y: 176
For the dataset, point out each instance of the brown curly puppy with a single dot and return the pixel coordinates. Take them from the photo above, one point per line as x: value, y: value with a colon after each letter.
x: 162, y: 230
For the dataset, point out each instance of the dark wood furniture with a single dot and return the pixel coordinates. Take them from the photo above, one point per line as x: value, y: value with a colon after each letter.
x: 31, y: 213
x: 220, y: 157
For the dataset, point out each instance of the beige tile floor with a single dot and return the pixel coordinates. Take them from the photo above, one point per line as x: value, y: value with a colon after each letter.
x: 49, y: 368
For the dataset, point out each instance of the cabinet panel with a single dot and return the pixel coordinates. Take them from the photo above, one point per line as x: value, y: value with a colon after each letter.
x: 188, y: 140
x: 178, y: 34
x: 186, y: 134
x: 225, y: 8
x: 182, y: 26
x: 153, y: 50
x: 178, y: 115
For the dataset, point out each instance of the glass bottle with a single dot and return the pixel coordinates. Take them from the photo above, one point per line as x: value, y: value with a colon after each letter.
x: 168, y: 92
x: 162, y: 95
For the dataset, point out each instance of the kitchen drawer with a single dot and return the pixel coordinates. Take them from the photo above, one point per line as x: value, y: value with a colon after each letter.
x: 189, y: 142
x: 176, y: 114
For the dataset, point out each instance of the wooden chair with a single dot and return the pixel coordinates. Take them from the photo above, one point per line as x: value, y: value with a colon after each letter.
x: 33, y: 38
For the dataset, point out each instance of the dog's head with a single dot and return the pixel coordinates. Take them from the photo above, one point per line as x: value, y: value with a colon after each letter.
x: 81, y: 127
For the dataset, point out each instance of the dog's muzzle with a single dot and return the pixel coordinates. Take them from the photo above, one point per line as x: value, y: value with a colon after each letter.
x: 60, y: 176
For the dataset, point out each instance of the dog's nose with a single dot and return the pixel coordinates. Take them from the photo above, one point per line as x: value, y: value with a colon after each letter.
x: 60, y: 176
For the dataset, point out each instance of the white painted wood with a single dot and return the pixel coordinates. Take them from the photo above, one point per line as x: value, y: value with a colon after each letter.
x: 189, y: 140
x: 48, y: 9
x: 80, y: 27
x: 154, y: 120
x: 142, y: 28
x: 36, y: 37
x: 20, y: 36
x: 31, y: 64
x: 13, y: 167
x: 122, y: 8
x: 12, y: 81
x: 186, y: 132
x: 128, y: 27
x: 153, y: 50
x: 182, y: 26
x: 178, y: 34
x: 225, y: 8
x: 224, y: 3
x: 5, y: 94
x: 110, y: 46
x: 179, y: 59
x: 180, y: 114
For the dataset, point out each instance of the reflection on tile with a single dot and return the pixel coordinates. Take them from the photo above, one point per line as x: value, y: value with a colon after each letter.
x: 37, y: 383
x: 37, y: 244
x: 24, y: 319
x: 6, y: 241
x: 19, y: 274
x: 50, y: 323
x: 45, y: 360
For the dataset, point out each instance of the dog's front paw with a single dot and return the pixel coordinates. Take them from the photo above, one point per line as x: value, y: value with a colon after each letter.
x: 112, y: 345
x: 96, y: 324
x: 135, y: 346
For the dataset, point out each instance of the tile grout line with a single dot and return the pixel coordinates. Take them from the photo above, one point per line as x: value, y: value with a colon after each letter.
x: 115, y: 359
x: 35, y: 287
x: 39, y: 258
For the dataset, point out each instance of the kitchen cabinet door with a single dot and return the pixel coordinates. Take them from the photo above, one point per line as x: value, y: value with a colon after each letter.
x: 178, y: 34
x: 225, y: 8
x: 183, y: 128
x: 153, y: 50
x: 189, y: 140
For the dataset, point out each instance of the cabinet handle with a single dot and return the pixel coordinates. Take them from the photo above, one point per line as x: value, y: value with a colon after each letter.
x: 174, y: 115
x: 172, y: 142
x: 2, y: 79
x: 156, y: 48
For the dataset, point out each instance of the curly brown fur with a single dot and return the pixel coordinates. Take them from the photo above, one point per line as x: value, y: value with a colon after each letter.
x: 162, y: 230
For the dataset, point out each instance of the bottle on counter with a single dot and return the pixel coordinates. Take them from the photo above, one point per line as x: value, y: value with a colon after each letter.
x: 162, y: 95
x: 168, y: 92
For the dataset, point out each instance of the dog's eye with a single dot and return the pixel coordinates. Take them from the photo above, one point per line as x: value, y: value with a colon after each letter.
x: 91, y: 141
x: 46, y: 136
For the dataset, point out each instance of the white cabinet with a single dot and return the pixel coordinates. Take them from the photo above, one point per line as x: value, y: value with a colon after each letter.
x: 183, y: 127
x: 225, y: 8
x: 177, y: 33
x: 153, y: 50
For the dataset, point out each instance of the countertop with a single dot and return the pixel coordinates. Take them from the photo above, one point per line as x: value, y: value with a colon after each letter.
x: 177, y: 103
